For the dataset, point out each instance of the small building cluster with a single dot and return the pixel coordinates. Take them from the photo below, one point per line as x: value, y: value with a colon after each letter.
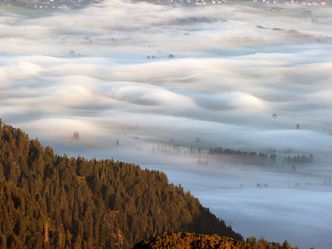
x: 214, y: 2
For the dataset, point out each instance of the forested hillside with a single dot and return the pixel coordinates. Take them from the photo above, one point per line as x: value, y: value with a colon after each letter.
x: 194, y: 241
x: 52, y: 201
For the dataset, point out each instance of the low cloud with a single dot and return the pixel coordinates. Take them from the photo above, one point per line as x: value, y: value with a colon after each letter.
x: 164, y: 81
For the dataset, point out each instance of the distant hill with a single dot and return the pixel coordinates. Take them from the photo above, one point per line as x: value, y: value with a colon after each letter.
x: 195, y: 241
x: 60, y: 4
x: 48, y: 4
x: 52, y: 201
x: 221, y: 2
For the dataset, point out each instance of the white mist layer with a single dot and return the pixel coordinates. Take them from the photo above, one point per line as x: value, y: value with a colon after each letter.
x: 149, y: 84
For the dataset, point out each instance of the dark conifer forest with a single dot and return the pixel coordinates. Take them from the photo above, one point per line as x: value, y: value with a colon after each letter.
x: 53, y: 201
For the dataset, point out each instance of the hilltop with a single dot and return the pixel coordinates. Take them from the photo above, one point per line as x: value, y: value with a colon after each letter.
x: 53, y: 201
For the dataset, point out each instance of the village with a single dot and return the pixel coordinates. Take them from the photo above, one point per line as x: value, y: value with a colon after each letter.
x: 218, y: 2
x: 49, y: 4
x: 65, y: 4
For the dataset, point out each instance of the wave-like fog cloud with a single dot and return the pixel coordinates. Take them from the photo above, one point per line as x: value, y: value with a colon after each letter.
x: 146, y: 75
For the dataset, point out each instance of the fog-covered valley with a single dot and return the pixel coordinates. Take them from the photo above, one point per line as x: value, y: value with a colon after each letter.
x: 160, y: 86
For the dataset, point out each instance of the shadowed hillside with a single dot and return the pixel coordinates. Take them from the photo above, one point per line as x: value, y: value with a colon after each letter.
x: 52, y: 201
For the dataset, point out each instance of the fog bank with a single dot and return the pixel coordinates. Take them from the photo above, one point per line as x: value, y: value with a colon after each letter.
x: 160, y: 86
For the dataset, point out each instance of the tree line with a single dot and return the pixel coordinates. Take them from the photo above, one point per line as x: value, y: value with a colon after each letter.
x: 198, y: 241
